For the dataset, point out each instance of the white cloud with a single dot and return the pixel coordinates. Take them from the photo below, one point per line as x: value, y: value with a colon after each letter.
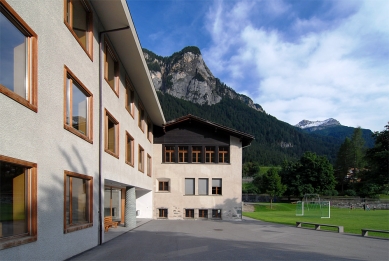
x: 337, y: 70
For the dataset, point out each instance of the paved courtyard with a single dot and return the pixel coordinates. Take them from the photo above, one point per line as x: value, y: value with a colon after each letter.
x: 241, y: 240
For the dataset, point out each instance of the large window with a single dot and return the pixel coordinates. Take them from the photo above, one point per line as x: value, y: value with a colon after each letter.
x: 203, y: 186
x: 111, y: 135
x: 18, y: 202
x: 216, y: 186
x: 141, y: 159
x: 189, y: 186
x: 129, y: 149
x: 111, y: 69
x: 130, y: 96
x: 196, y: 154
x: 183, y: 154
x: 209, y: 154
x: 169, y: 154
x: 78, y: 18
x: 78, y: 201
x: 224, y: 156
x: 18, y: 58
x: 79, y: 107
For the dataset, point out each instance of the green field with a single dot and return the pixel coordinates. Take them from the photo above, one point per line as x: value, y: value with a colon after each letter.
x: 352, y: 220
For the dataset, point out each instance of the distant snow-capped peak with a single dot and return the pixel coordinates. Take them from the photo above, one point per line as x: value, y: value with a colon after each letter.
x: 304, y: 124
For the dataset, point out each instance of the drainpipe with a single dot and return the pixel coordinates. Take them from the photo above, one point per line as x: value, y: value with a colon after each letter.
x: 100, y: 241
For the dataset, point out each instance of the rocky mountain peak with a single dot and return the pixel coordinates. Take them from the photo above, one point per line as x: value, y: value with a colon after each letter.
x: 317, y: 125
x: 186, y: 76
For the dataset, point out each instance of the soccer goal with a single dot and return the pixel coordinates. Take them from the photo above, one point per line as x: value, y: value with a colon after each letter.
x: 313, y: 206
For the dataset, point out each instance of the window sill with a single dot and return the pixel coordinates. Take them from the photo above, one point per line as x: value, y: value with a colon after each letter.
x: 113, y: 89
x: 18, y: 98
x: 77, y: 133
x: 111, y: 153
x: 129, y: 111
x: 129, y: 163
x: 162, y: 191
x: 88, y: 53
x: 77, y: 227
x: 16, y: 241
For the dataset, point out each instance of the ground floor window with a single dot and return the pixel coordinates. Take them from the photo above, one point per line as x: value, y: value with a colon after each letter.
x: 114, y: 201
x: 18, y: 202
x: 216, y: 213
x: 203, y: 213
x: 189, y: 213
x: 162, y: 213
x: 78, y: 201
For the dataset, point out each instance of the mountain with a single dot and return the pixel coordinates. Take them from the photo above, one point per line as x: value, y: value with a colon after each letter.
x: 317, y: 125
x: 185, y: 85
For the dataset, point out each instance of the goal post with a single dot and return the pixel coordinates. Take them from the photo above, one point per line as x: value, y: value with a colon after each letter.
x: 312, y: 206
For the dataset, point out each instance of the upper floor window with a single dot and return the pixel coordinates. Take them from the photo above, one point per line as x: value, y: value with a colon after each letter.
x: 169, y: 154
x: 196, y: 154
x: 18, y: 58
x: 203, y: 186
x: 149, y: 130
x: 216, y: 186
x: 224, y: 156
x: 111, y: 69
x: 18, y: 202
x: 129, y: 149
x: 163, y: 185
x: 111, y: 135
x: 189, y: 186
x: 183, y: 154
x: 149, y: 166
x: 78, y: 19
x: 141, y: 160
x: 209, y: 154
x: 141, y: 116
x: 78, y: 100
x: 130, y: 96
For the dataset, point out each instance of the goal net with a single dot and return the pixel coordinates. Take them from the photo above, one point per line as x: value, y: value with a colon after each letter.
x: 312, y: 206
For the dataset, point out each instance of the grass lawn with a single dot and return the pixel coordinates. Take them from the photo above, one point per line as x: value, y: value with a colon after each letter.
x: 352, y: 220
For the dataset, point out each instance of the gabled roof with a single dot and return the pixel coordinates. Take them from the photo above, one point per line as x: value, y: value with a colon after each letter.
x: 245, y: 138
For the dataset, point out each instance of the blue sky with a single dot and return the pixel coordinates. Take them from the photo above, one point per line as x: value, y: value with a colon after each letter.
x: 300, y: 59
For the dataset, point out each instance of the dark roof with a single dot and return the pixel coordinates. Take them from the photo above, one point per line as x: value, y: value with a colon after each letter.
x: 245, y: 138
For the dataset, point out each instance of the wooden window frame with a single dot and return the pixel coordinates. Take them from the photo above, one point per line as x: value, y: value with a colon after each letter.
x: 164, y: 212
x: 89, y: 189
x: 203, y: 213
x: 165, y: 186
x: 149, y: 130
x: 89, y: 46
x: 31, y: 205
x: 182, y: 152
x: 217, y: 190
x: 130, y: 94
x: 197, y: 154
x: 211, y: 154
x: 224, y: 154
x: 171, y: 152
x: 31, y: 60
x: 141, y: 116
x: 189, y: 213
x: 108, y: 116
x: 108, y: 50
x: 216, y: 213
x: 89, y: 135
x: 141, y: 159
x: 131, y: 139
x: 149, y: 165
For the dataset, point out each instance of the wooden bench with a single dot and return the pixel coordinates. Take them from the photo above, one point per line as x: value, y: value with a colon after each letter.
x: 317, y: 226
x: 366, y: 230
x: 109, y: 223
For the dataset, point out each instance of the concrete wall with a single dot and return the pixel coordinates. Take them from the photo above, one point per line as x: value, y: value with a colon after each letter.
x: 176, y: 201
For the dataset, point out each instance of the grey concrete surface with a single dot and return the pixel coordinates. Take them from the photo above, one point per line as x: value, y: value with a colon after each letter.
x: 235, y: 240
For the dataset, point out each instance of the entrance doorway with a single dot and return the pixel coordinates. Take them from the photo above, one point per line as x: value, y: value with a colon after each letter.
x: 114, y: 201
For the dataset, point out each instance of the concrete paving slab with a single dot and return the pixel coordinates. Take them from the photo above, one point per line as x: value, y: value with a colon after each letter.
x: 240, y: 240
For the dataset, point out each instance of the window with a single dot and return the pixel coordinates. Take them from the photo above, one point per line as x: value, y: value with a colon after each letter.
x: 18, y: 197
x: 203, y: 213
x: 182, y: 154
x: 169, y: 154
x: 149, y: 130
x: 209, y: 154
x: 203, y: 186
x: 18, y: 59
x: 163, y: 186
x: 141, y: 160
x: 130, y: 96
x: 216, y: 186
x: 129, y: 149
x: 78, y: 201
x: 78, y: 19
x: 224, y: 155
x: 189, y: 187
x: 189, y: 213
x: 196, y: 154
x: 111, y: 135
x: 149, y: 165
x: 216, y: 213
x: 141, y: 115
x: 111, y: 69
x: 162, y: 213
x: 79, y: 107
